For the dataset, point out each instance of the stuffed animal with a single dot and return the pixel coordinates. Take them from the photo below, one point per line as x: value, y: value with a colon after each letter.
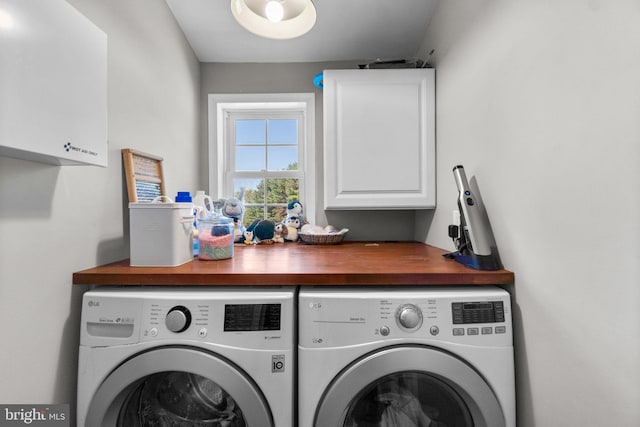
x: 293, y: 223
x: 234, y: 208
x: 263, y: 231
x: 280, y: 232
x: 294, y: 208
x: 248, y: 238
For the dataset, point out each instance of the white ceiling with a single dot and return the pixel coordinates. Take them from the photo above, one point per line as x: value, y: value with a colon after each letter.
x: 345, y: 30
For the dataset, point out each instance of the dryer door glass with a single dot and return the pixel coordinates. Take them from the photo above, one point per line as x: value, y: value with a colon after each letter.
x: 179, y: 398
x: 408, y: 399
x: 407, y: 386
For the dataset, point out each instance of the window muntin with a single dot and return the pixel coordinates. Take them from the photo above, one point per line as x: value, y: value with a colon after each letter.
x: 226, y: 179
x: 265, y: 150
x: 266, y: 198
x: 266, y: 144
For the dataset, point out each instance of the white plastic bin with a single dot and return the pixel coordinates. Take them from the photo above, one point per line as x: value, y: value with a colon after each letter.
x: 161, y: 234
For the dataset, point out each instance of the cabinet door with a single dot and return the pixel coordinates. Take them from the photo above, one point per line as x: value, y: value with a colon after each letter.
x: 53, y: 84
x: 379, y: 139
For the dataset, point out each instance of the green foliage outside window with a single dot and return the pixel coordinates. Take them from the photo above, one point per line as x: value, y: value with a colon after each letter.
x: 279, y: 192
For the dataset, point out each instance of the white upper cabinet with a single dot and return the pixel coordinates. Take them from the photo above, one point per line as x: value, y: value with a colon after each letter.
x: 379, y: 139
x: 53, y: 84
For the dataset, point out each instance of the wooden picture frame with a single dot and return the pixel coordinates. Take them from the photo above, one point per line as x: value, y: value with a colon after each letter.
x: 143, y: 174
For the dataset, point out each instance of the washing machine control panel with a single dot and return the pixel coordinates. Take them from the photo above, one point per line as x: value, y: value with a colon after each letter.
x: 165, y: 318
x: 229, y: 317
x: 255, y: 323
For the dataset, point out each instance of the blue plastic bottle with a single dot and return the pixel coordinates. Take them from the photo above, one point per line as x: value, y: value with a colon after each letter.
x: 185, y: 197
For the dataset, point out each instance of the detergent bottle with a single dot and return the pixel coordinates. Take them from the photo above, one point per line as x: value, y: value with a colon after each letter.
x: 203, y: 204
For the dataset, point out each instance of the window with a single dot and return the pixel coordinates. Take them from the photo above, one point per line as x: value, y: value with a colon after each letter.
x: 263, y: 168
x: 261, y: 151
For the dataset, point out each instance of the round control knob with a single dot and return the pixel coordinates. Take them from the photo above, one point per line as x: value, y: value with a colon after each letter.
x: 178, y: 319
x: 409, y: 317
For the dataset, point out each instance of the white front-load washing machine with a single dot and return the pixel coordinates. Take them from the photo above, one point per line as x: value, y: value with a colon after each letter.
x: 187, y: 357
x: 404, y: 357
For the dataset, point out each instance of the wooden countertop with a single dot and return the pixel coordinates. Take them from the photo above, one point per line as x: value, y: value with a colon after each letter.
x: 349, y: 263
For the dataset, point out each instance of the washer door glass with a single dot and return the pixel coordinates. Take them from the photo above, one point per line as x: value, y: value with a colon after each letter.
x: 408, y: 399
x: 178, y: 386
x: 179, y: 398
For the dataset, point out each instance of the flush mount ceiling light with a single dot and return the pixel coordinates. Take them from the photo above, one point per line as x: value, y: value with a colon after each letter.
x: 275, y: 19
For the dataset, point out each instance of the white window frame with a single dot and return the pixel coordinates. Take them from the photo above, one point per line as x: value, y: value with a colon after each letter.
x: 221, y: 159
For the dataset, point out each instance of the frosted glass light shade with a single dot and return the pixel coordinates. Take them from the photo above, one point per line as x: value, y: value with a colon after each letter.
x: 299, y: 16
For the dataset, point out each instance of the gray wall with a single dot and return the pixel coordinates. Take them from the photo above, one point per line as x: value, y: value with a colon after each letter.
x: 540, y: 102
x: 298, y: 77
x: 57, y: 220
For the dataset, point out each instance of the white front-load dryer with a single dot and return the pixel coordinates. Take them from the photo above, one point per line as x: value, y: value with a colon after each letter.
x: 187, y: 357
x: 405, y: 357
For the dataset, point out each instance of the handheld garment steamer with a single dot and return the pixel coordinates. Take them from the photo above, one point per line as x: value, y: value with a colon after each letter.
x: 475, y: 244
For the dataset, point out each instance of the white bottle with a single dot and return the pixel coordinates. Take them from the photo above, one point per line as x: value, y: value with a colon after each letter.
x: 201, y: 210
x: 203, y: 204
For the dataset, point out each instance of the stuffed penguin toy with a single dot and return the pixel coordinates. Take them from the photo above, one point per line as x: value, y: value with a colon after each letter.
x: 248, y: 238
x: 294, y: 208
x: 263, y: 231
x: 293, y: 223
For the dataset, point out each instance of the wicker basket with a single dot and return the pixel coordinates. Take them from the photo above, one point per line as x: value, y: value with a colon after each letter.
x: 323, y: 239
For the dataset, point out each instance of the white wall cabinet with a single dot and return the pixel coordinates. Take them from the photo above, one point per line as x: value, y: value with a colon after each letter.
x: 379, y: 139
x: 53, y: 84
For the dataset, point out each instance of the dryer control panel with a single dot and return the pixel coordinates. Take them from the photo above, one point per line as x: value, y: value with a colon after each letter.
x: 346, y: 317
x: 477, y: 312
